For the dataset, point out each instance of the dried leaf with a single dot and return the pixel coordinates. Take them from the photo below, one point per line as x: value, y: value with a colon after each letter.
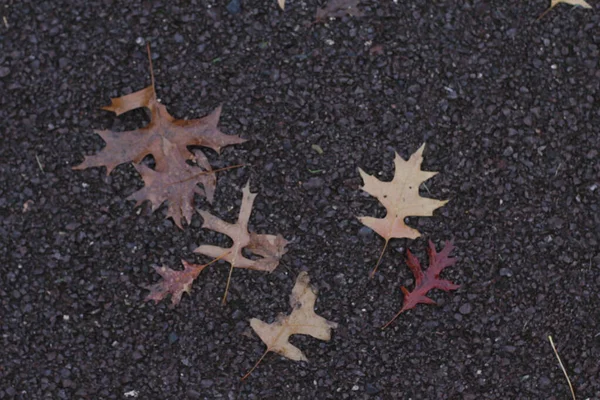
x: 167, y: 139
x: 281, y: 4
x: 339, y: 8
x: 269, y: 247
x: 401, y: 199
x: 581, y: 3
x: 174, y: 283
x: 302, y: 321
x: 424, y: 282
x: 554, y: 3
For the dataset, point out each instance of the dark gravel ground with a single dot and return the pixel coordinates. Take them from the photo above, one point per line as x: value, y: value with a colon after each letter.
x: 509, y: 108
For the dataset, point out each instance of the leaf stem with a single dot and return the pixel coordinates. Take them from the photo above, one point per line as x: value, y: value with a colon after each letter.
x: 393, y: 319
x: 545, y: 12
x: 372, y: 275
x: 151, y: 68
x: 224, y: 301
x: 212, y: 171
x: 217, y: 259
x: 255, y: 365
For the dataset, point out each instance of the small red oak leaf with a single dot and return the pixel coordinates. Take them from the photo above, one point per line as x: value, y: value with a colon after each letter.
x: 424, y: 282
x: 174, y: 282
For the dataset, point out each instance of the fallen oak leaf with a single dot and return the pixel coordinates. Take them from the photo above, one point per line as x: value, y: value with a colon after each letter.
x: 339, y: 8
x: 166, y: 139
x: 177, y: 187
x: 269, y: 247
x: 581, y: 3
x: 554, y: 3
x: 302, y: 321
x: 401, y: 199
x: 424, y: 282
x: 175, y: 283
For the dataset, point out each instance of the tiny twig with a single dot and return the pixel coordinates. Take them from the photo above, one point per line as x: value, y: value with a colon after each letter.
x: 557, y: 168
x: 426, y: 188
x: 39, y: 164
x: 562, y: 367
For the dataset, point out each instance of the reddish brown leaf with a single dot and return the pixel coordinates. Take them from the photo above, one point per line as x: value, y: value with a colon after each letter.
x: 174, y: 282
x: 166, y: 139
x: 339, y: 8
x: 177, y: 184
x: 424, y: 282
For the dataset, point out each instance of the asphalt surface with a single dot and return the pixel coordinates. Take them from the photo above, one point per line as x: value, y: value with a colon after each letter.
x: 508, y: 106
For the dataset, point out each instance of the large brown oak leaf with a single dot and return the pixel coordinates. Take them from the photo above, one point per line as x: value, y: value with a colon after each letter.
x: 179, y: 170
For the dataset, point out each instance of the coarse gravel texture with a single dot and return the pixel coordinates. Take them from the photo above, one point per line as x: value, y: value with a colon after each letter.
x: 509, y: 107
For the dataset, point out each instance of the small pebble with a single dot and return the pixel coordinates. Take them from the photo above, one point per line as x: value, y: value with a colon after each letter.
x: 339, y: 279
x: 67, y: 383
x: 313, y: 183
x: 365, y: 233
x: 206, y: 383
x: 465, y: 308
x: 371, y: 389
x: 234, y: 7
x: 192, y: 394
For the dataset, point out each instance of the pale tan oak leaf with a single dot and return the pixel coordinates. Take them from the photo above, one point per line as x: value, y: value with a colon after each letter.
x: 302, y: 321
x: 401, y: 199
x: 554, y: 3
x: 270, y: 248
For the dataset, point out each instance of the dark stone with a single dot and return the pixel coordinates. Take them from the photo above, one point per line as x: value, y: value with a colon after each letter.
x: 313, y: 183
x: 371, y: 389
x: 234, y: 6
x: 465, y: 309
